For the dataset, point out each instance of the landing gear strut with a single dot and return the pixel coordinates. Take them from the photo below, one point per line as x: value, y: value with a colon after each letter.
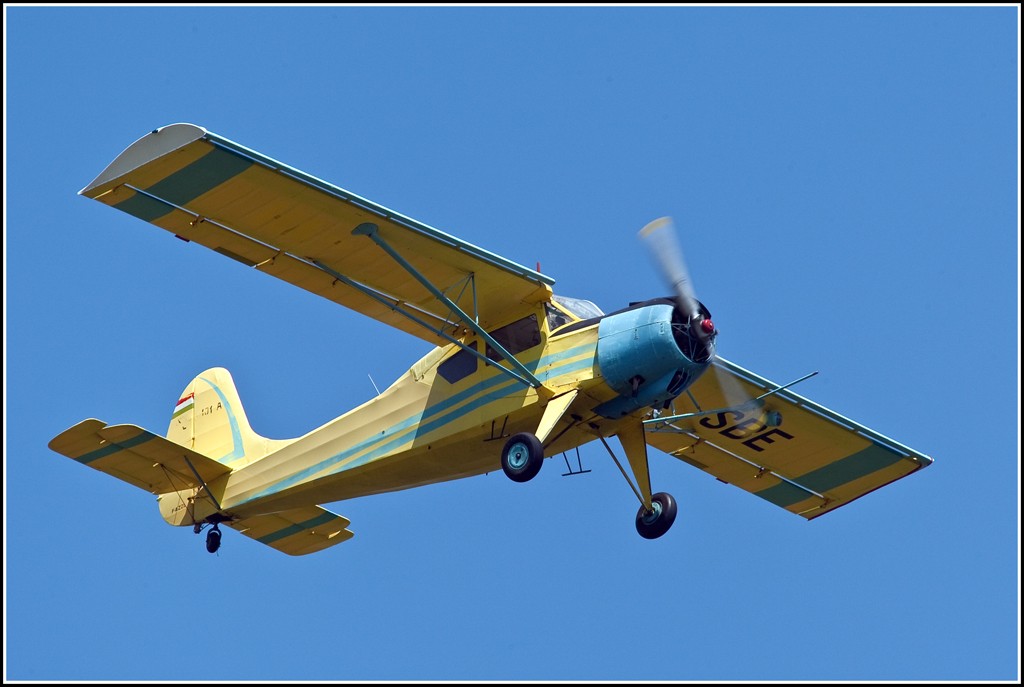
x: 653, y: 521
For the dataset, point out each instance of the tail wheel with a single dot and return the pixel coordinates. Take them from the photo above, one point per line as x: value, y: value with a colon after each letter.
x: 653, y: 523
x: 522, y: 457
x: 213, y: 539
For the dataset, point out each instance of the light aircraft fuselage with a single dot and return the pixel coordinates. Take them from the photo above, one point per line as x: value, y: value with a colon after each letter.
x: 516, y: 373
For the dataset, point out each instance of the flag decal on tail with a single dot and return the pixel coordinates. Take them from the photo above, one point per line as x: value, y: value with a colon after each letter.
x: 184, y: 404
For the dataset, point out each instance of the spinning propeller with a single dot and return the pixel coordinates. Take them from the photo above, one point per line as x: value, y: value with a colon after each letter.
x: 662, y: 240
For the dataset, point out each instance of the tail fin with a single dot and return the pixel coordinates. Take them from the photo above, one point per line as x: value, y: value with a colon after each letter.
x: 209, y: 419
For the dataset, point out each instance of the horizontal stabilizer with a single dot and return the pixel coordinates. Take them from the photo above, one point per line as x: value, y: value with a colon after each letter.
x: 137, y: 456
x: 296, y: 532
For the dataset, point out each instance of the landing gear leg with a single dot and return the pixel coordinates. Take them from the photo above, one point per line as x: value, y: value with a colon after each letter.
x: 657, y: 511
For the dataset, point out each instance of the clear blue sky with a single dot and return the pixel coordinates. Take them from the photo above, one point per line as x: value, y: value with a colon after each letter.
x: 846, y: 181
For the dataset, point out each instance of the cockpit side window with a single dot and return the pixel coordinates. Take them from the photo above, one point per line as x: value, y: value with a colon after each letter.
x: 516, y: 337
x: 556, y: 318
x: 458, y: 366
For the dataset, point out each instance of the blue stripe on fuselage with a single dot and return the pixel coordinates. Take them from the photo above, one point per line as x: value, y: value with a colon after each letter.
x: 397, y: 433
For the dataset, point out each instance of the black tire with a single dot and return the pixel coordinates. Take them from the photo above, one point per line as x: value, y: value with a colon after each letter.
x: 213, y: 540
x: 655, y: 523
x: 522, y: 457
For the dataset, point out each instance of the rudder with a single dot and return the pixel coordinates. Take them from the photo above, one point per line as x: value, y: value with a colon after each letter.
x: 209, y: 419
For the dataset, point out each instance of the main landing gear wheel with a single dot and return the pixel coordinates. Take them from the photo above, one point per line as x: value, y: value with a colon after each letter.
x: 653, y: 523
x: 522, y: 457
x: 213, y: 539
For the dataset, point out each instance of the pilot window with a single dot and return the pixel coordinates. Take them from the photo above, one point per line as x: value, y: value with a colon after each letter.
x: 516, y: 337
x: 556, y: 318
x: 459, y: 366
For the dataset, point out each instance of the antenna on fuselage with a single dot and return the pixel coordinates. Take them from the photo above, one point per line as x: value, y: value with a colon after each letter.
x: 374, y: 384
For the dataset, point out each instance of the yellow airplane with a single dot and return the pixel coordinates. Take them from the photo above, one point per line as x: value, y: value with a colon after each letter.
x: 517, y: 373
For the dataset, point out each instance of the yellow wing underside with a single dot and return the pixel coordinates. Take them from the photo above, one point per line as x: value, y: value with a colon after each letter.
x: 246, y: 206
x: 810, y: 463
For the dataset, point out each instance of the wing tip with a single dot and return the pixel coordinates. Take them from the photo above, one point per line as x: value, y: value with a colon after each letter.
x: 155, y: 144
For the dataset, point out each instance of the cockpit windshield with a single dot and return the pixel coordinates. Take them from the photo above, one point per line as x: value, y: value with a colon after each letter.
x: 579, y: 307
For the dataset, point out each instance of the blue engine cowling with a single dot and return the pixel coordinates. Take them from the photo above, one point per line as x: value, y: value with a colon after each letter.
x: 640, y: 355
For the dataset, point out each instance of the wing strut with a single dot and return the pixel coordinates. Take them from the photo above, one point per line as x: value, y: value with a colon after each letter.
x: 440, y: 332
x: 369, y: 229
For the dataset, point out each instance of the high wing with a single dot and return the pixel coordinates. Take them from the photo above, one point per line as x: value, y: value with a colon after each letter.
x: 296, y: 532
x: 791, y: 452
x: 137, y: 456
x: 204, y: 188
